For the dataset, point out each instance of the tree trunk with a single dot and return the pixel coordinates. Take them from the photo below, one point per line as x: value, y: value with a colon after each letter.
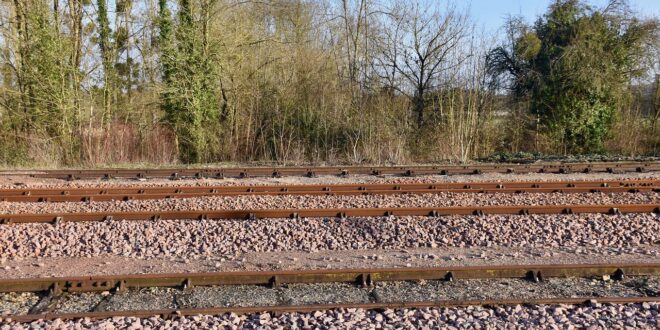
x: 418, y: 103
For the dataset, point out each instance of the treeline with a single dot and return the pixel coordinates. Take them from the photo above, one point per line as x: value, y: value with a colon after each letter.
x: 94, y: 82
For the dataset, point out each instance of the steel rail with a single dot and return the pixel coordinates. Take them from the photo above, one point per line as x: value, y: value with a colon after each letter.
x: 146, y: 196
x: 174, y: 313
x: 242, y: 172
x: 130, y: 193
x: 362, y: 277
x: 341, y: 213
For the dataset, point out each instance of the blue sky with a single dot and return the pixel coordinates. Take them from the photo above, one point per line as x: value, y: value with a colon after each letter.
x: 491, y: 14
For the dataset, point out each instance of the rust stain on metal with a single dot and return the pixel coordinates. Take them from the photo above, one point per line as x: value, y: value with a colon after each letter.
x: 130, y: 193
x: 364, y: 277
x: 169, y: 313
x: 105, y: 282
x: 305, y: 213
x: 554, y: 167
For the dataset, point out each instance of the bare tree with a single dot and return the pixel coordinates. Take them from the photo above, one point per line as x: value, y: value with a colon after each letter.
x: 469, y: 100
x: 356, y: 17
x: 416, y: 47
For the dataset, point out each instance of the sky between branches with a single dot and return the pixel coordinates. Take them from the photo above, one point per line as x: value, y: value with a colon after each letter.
x: 491, y: 14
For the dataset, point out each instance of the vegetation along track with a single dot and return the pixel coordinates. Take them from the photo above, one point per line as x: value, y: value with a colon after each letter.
x: 54, y: 288
x: 137, y: 193
x: 611, y: 167
x: 56, y: 218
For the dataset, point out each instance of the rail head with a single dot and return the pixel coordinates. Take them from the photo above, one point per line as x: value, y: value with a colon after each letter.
x: 311, y: 171
x: 366, y: 275
x: 56, y: 218
x: 170, y: 314
x: 361, y: 277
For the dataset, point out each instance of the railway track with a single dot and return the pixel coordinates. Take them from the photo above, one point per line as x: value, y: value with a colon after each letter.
x: 135, y: 193
x: 56, y: 218
x: 244, y: 172
x: 53, y: 289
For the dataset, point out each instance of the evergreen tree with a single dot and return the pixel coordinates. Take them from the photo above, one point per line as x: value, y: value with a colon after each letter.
x: 575, y: 66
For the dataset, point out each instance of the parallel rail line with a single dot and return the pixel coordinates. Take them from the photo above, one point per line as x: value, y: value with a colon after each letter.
x: 56, y: 218
x: 242, y: 172
x: 174, y: 313
x: 361, y: 277
x: 131, y: 193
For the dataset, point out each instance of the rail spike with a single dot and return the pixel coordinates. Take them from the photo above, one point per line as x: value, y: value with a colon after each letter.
x: 535, y: 277
x: 449, y: 277
x: 58, y: 220
x: 618, y: 275
x: 364, y: 280
x: 55, y: 290
x: 121, y: 287
x: 274, y: 282
x: 187, y: 284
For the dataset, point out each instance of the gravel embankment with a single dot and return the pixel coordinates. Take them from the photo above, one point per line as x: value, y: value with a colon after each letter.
x: 592, y: 317
x: 193, y: 239
x: 312, y: 202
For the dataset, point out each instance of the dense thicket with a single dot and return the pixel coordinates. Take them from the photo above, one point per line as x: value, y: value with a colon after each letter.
x: 575, y: 66
x: 161, y: 81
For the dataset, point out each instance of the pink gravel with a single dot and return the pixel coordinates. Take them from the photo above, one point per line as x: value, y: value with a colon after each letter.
x: 147, y: 239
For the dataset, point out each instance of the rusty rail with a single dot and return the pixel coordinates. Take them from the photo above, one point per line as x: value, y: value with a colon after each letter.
x: 138, y: 193
x: 361, y: 277
x: 242, y: 172
x: 174, y: 313
x: 341, y: 213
